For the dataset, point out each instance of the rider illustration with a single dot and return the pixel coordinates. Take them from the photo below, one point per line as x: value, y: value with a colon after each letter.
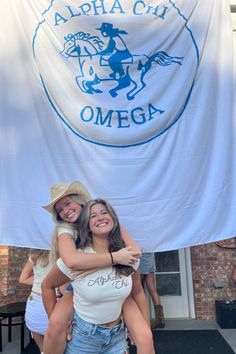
x: 116, y: 50
x: 88, y: 49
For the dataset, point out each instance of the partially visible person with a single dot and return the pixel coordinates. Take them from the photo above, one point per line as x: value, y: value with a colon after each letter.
x: 233, y: 274
x: 37, y: 267
x: 229, y: 244
x: 67, y: 202
x: 147, y: 270
x: 99, y: 293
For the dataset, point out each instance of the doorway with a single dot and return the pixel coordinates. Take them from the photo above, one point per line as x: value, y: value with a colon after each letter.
x: 174, y: 283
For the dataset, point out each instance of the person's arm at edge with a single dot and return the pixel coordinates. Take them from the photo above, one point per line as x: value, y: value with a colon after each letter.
x: 54, y: 279
x: 26, y: 276
x: 224, y: 244
x: 76, y: 260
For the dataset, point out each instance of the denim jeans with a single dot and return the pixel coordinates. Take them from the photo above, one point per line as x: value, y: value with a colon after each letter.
x: 88, y: 338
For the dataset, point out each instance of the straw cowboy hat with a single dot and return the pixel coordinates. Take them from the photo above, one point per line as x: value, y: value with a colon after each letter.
x: 60, y: 190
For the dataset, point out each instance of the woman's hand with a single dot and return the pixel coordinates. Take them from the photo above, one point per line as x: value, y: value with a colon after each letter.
x: 126, y: 256
x: 69, y: 330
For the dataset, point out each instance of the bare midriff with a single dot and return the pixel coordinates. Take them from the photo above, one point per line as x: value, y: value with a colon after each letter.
x: 111, y: 324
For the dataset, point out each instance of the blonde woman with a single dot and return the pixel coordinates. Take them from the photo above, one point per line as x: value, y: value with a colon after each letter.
x: 34, y: 271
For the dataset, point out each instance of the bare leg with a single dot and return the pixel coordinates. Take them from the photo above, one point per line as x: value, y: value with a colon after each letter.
x: 138, y: 328
x: 150, y: 282
x: 55, y: 337
x: 38, y: 340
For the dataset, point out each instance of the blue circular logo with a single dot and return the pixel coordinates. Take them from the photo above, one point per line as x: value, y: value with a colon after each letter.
x: 116, y: 73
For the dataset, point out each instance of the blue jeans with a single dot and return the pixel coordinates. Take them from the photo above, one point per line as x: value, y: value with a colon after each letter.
x: 147, y: 263
x: 88, y: 338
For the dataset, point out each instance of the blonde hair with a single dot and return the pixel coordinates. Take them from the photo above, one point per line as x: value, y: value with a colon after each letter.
x: 60, y: 223
x: 39, y: 256
x: 54, y: 245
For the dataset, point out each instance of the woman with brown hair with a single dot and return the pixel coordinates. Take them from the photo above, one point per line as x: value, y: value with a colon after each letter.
x: 99, y: 294
x: 67, y: 203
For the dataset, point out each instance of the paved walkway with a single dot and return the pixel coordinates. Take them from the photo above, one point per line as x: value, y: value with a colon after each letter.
x: 228, y: 334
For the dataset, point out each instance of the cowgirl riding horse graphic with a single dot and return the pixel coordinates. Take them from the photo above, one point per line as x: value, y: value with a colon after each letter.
x: 116, y: 58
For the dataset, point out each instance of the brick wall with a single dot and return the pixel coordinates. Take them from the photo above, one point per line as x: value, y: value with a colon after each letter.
x: 12, y: 260
x: 211, y: 263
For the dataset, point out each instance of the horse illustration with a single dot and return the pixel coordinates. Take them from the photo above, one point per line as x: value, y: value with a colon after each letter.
x: 96, y: 67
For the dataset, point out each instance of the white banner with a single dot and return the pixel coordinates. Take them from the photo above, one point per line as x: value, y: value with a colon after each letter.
x: 136, y: 99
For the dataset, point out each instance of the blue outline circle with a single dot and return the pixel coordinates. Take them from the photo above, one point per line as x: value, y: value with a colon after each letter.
x: 110, y: 145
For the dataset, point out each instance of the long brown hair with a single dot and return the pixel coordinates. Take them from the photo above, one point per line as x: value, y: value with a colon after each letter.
x: 115, y: 242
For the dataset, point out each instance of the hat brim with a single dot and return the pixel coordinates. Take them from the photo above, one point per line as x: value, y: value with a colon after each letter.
x: 73, y: 188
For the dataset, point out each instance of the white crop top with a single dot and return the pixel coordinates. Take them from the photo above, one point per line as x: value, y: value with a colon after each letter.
x: 39, y: 274
x: 98, y: 297
x: 67, y: 230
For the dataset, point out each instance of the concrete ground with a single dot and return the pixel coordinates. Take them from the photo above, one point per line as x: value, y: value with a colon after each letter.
x: 185, y: 324
x: 228, y: 334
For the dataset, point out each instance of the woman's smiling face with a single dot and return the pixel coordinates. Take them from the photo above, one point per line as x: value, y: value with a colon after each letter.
x: 100, y: 220
x: 68, y: 209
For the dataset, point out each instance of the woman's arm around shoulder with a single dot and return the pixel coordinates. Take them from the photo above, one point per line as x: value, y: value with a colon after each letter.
x: 77, y: 260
